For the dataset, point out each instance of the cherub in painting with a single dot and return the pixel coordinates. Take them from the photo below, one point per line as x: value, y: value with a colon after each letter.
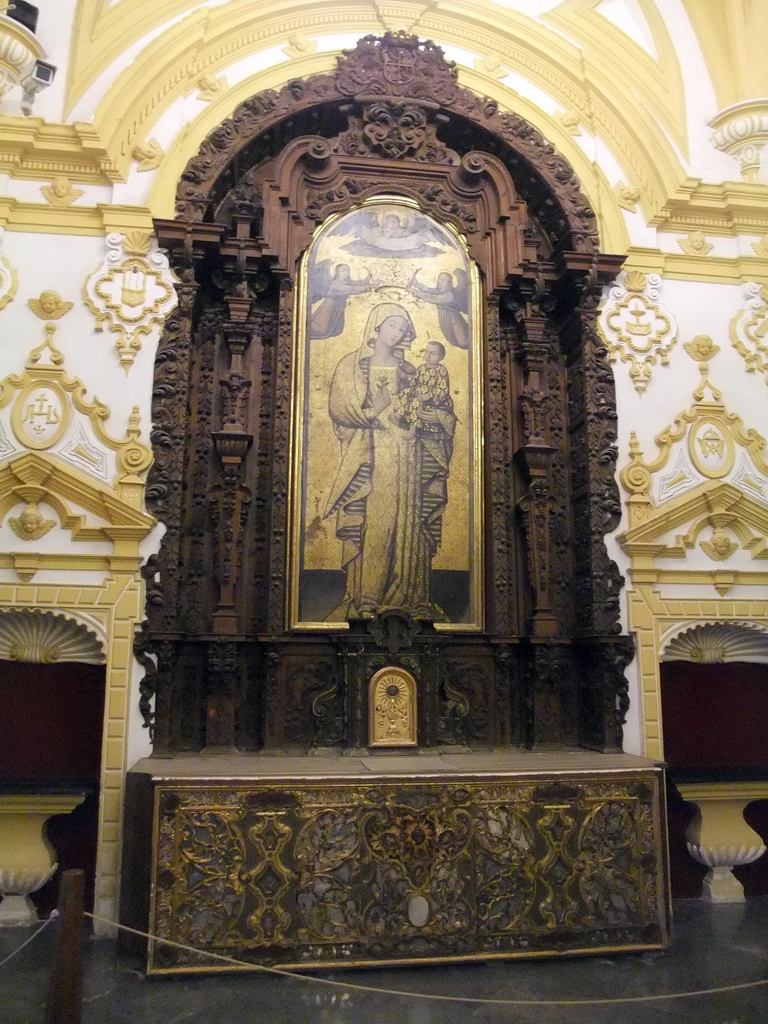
x: 451, y: 299
x: 332, y: 289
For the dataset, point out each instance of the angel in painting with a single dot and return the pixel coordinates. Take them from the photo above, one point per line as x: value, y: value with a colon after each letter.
x: 332, y: 289
x: 402, y: 235
x: 451, y: 298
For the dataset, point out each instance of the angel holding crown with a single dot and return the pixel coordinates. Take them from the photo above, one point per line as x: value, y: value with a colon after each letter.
x: 451, y: 299
x: 332, y: 289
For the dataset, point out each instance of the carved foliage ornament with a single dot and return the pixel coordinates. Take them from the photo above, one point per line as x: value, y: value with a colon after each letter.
x: 131, y: 292
x: 397, y: 131
x: 636, y: 327
x: 749, y: 329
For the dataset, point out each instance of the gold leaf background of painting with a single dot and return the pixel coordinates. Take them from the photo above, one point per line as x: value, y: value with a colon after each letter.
x: 322, y: 550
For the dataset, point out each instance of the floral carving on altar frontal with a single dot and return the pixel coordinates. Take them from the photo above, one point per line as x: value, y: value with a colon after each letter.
x: 749, y: 329
x: 131, y: 292
x: 637, y: 328
x: 395, y: 869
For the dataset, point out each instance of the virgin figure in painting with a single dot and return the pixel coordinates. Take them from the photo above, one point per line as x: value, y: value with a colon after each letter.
x: 390, y: 489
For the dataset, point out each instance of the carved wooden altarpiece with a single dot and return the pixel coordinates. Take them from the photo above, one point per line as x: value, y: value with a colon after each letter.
x: 543, y: 664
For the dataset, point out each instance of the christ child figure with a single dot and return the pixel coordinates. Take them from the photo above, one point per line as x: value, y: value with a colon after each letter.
x: 427, y: 392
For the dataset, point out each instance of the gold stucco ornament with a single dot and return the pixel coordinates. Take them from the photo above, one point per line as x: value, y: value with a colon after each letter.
x: 637, y: 328
x: 61, y: 191
x: 131, y: 292
x: 49, y: 306
x: 30, y: 524
x: 695, y: 244
x: 627, y: 196
x: 148, y: 155
x: 719, y: 546
x: 748, y: 329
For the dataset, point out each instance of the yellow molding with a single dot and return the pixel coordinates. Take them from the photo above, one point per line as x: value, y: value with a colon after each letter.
x: 742, y: 791
x: 621, y: 62
x: 40, y: 150
x: 121, y: 218
x: 728, y: 209
x: 33, y: 562
x: 103, y: 31
x: 210, y: 41
x: 54, y: 220
x: 700, y: 577
x: 712, y: 269
x: 161, y: 200
x: 112, y: 607
x: 58, y: 481
x: 101, y: 219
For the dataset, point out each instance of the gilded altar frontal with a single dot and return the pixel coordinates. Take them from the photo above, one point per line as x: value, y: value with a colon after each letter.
x: 386, y: 461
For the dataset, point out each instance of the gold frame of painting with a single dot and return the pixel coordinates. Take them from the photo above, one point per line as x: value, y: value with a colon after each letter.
x: 381, y: 283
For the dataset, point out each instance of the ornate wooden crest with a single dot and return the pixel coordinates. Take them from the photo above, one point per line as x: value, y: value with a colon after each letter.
x: 397, y: 65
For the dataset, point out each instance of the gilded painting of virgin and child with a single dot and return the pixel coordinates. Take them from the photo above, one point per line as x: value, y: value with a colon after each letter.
x: 386, y: 493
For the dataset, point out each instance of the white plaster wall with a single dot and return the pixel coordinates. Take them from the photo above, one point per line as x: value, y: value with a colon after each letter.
x: 698, y: 308
x: 63, y: 263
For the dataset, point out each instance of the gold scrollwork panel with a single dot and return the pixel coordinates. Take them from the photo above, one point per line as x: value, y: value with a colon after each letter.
x: 303, y: 873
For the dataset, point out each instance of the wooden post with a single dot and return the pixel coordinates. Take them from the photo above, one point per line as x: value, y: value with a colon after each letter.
x: 65, y: 992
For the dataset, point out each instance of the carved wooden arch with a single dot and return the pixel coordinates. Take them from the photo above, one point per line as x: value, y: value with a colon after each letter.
x: 546, y: 180
x: 225, y: 669
x: 476, y: 196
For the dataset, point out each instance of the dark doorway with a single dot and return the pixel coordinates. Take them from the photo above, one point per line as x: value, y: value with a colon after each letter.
x: 715, y: 729
x: 51, y: 721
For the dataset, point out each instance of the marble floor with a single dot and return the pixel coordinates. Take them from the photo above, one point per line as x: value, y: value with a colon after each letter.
x: 713, y: 947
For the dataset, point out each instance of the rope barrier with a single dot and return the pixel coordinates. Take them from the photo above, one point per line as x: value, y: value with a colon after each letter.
x: 26, y: 942
x: 477, y: 1000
